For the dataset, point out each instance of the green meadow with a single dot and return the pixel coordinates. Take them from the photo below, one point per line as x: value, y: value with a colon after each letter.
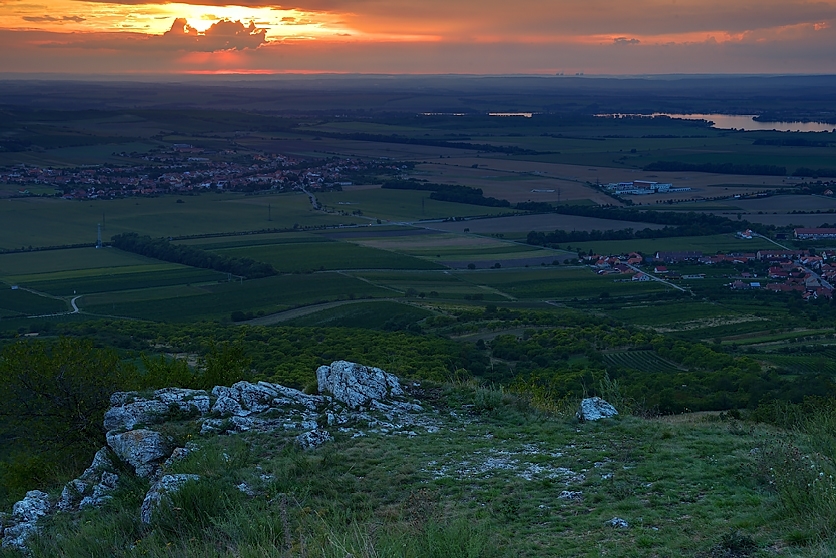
x: 52, y: 222
x: 309, y: 256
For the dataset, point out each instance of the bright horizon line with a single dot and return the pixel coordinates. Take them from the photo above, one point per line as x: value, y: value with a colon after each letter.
x: 74, y: 76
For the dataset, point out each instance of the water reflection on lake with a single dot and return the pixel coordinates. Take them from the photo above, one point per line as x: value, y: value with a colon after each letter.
x: 747, y: 122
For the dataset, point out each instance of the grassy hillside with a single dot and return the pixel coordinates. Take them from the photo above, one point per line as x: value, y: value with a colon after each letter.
x: 490, y: 474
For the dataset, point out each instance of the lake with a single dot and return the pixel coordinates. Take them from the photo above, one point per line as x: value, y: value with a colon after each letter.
x: 747, y: 122
x: 743, y: 122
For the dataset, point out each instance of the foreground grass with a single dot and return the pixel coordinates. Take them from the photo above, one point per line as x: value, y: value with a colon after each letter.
x: 497, y: 479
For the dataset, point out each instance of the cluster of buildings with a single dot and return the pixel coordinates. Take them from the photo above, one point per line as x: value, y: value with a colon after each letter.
x: 186, y: 169
x: 643, y: 187
x: 799, y: 271
x: 820, y: 233
x: 811, y: 274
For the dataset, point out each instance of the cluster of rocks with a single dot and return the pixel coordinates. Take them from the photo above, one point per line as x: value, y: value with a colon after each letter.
x: 352, y: 395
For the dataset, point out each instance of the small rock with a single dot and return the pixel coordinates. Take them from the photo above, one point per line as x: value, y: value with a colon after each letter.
x: 595, y: 408
x: 618, y: 523
x: 72, y: 494
x: 570, y: 495
x: 246, y: 489
x: 101, y: 462
x: 33, y: 506
x: 313, y: 439
x: 25, y: 515
x: 160, y: 492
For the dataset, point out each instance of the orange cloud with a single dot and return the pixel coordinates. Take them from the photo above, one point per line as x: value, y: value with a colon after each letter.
x: 222, y: 35
x: 420, y: 36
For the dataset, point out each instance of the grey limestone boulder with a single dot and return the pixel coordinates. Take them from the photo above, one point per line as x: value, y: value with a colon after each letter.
x: 24, y: 518
x: 595, y: 408
x: 255, y: 397
x: 226, y: 406
x: 142, y: 449
x: 94, y: 485
x: 160, y: 493
x: 126, y: 417
x: 128, y: 409
x: 356, y: 385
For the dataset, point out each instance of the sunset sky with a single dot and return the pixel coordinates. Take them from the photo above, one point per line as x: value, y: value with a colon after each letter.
x: 418, y: 36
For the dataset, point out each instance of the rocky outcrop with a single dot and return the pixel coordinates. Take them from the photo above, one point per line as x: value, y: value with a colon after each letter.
x: 22, y: 524
x: 595, y: 408
x: 128, y: 409
x: 160, y: 493
x: 356, y: 385
x: 360, y: 397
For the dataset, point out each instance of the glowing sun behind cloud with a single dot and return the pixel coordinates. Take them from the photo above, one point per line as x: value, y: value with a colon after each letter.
x: 156, y: 19
x: 419, y: 36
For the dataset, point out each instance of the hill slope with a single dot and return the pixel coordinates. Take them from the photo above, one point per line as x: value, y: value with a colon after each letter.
x: 451, y: 470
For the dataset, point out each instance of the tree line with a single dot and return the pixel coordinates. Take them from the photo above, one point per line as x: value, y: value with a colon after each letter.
x: 676, y: 224
x: 162, y: 249
x: 488, y: 147
x: 718, y: 168
x: 448, y: 192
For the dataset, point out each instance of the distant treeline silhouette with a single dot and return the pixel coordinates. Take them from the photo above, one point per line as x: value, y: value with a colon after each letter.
x: 792, y: 142
x: 162, y: 249
x: 815, y: 173
x: 362, y: 136
x: 676, y: 224
x: 448, y: 192
x: 718, y: 168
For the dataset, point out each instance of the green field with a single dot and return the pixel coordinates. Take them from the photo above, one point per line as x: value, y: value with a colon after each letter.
x: 125, y: 279
x: 28, y: 265
x: 760, y: 337
x: 559, y: 283
x: 652, y: 314
x: 16, y: 302
x: 272, y: 294
x: 433, y: 284
x: 401, y: 205
x: 309, y: 256
x: 53, y: 222
x: 233, y: 241
x: 805, y: 363
x: 382, y: 314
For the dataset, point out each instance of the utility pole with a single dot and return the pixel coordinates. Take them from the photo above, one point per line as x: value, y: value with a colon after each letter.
x: 99, y: 236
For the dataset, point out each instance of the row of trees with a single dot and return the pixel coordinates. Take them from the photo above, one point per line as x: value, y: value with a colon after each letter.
x: 448, y: 192
x: 393, y: 138
x: 676, y: 224
x: 719, y: 168
x: 162, y: 249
